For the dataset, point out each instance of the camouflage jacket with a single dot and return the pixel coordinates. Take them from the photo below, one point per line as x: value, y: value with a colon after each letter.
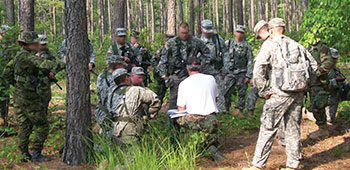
x: 156, y: 59
x: 174, y: 62
x: 267, y: 62
x: 240, y: 58
x: 332, y: 75
x: 218, y: 51
x: 322, y: 54
x: 126, y: 50
x: 143, y: 59
x: 62, y: 50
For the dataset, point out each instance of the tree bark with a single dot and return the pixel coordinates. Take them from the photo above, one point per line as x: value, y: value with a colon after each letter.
x: 10, y: 12
x: 199, y: 16
x: 54, y: 20
x: 27, y: 14
x: 244, y: 12
x: 153, y: 20
x: 92, y: 18
x: 63, y: 22
x: 181, y: 10
x: 192, y: 16
x: 100, y: 12
x: 224, y: 26
x: 230, y: 16
x: 142, y: 23
x: 119, y: 12
x: 240, y: 12
x: 147, y: 16
x: 78, y: 121
x: 266, y: 10
x: 171, y: 17
x: 129, y: 15
x: 261, y: 10
x: 217, y: 16
x: 109, y: 9
x: 252, y: 13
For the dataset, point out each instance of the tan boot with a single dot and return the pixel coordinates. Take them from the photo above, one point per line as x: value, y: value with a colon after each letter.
x: 2, y: 121
x: 252, y: 168
x: 321, y: 132
x: 239, y: 112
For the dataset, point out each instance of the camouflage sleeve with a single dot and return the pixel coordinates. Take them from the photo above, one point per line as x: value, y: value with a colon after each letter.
x: 99, y: 86
x: 92, y: 53
x: 250, y: 62
x: 46, y: 65
x: 62, y: 51
x: 312, y: 60
x: 327, y: 62
x: 260, y: 75
x: 9, y: 72
x: 151, y: 99
x: 204, y: 50
x: 163, y: 62
x: 225, y: 57
x: 109, y: 52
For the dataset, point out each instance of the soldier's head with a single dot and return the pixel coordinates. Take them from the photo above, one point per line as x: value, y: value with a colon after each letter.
x: 42, y: 42
x: 29, y: 40
x: 193, y: 65
x: 184, y: 31
x: 120, y: 36
x: 207, y: 28
x: 115, y: 62
x: 276, y: 27
x: 240, y: 32
x: 137, y: 76
x: 335, y: 54
x: 134, y: 37
x: 121, y: 77
x: 261, y: 30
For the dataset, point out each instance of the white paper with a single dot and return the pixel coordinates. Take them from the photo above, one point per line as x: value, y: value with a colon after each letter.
x: 174, y: 113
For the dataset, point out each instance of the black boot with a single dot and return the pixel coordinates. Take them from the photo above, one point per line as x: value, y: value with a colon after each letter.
x: 216, y: 154
x: 38, y: 157
x: 26, y: 156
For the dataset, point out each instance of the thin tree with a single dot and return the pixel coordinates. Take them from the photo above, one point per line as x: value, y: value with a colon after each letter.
x: 119, y: 13
x: 266, y: 10
x: 100, y: 13
x: 10, y: 12
x: 240, y: 12
x: 78, y: 121
x: 162, y: 18
x: 199, y: 16
x: 192, y: 16
x: 252, y: 13
x: 224, y: 26
x: 153, y: 20
x: 260, y: 10
x: 181, y: 11
x: 27, y: 14
x: 230, y: 16
x: 171, y: 17
x: 217, y: 15
x: 142, y: 23
x: 130, y: 19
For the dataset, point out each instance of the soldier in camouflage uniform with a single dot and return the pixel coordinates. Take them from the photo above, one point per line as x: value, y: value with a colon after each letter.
x: 336, y: 83
x: 104, y: 83
x: 143, y: 57
x: 239, y: 69
x: 137, y: 76
x: 214, y: 65
x: 126, y: 105
x: 3, y: 85
x: 281, y: 104
x: 123, y: 49
x: 62, y: 53
x: 22, y: 72
x: 319, y: 87
x: 172, y: 66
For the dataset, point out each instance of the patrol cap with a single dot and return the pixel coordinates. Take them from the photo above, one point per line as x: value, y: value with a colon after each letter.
x: 137, y: 70
x: 135, y: 34
x: 240, y: 28
x: 193, y: 63
x: 119, y: 72
x: 334, y: 53
x: 28, y: 37
x: 120, y: 32
x: 207, y: 26
x: 277, y: 22
x: 42, y: 39
x: 4, y: 28
x: 258, y: 26
x: 115, y: 59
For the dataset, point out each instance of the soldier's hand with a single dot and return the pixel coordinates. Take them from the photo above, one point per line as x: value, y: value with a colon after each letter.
x: 164, y: 77
x: 91, y: 66
x: 38, y: 54
x: 127, y: 59
x: 251, y: 83
x: 52, y: 75
x: 269, y: 94
x: 136, y: 45
x: 246, y: 80
x: 158, y: 52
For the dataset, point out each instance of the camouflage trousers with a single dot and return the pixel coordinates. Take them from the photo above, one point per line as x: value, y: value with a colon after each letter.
x: 318, y: 101
x: 221, y: 99
x: 173, y: 83
x: 280, y: 113
x: 207, y: 124
x: 31, y: 116
x: 160, y: 87
x: 252, y: 98
x: 231, y: 83
x: 331, y: 109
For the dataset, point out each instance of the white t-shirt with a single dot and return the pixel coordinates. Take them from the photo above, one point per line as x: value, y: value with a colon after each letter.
x: 198, y: 93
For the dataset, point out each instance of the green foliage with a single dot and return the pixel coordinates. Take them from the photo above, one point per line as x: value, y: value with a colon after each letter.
x: 328, y: 21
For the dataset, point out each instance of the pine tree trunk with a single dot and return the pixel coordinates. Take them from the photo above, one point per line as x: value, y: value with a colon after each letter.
x: 78, y: 121
x: 119, y: 11
x: 199, y: 16
x: 240, y: 12
x: 244, y: 12
x: 54, y: 20
x: 100, y: 13
x: 171, y: 17
x: 181, y: 11
x: 63, y: 21
x: 129, y: 15
x: 261, y: 10
x: 88, y: 12
x: 162, y: 16
x: 10, y: 12
x: 147, y: 16
x: 217, y: 16
x: 153, y: 20
x: 252, y: 13
x: 230, y: 16
x: 266, y: 10
x: 19, y: 16
x: 234, y: 14
x: 142, y: 23
x: 224, y: 16
x: 192, y: 16
x: 92, y: 18
x: 109, y: 8
x: 27, y: 15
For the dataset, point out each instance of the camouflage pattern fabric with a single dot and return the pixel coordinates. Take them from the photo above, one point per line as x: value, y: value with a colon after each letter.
x: 208, y: 124
x: 125, y: 103
x: 160, y: 87
x: 28, y: 104
x: 335, y: 89
x: 173, y: 64
x: 233, y: 82
x: 62, y: 50
x: 252, y: 98
x: 3, y: 85
x: 122, y: 51
x: 143, y: 60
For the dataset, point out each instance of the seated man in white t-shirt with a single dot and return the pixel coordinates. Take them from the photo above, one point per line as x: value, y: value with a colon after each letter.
x: 197, y: 96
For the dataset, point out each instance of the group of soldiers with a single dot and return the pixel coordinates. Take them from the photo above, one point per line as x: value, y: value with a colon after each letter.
x: 281, y: 72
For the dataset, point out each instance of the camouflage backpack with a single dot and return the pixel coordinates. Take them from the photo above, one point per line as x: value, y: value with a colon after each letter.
x: 294, y: 74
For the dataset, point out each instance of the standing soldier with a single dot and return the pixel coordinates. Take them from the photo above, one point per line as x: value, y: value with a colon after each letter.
x: 104, y: 83
x: 336, y: 83
x: 214, y: 64
x: 144, y: 57
x: 239, y: 67
x: 283, y: 91
x: 4, y: 55
x: 172, y: 66
x: 122, y: 49
x: 62, y: 54
x: 319, y: 87
x: 22, y: 72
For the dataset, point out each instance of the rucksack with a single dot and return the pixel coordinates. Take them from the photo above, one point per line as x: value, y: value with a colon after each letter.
x: 294, y: 76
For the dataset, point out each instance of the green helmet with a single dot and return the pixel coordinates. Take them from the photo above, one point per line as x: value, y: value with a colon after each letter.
x: 28, y: 37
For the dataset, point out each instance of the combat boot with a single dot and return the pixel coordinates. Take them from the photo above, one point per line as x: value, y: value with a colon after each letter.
x: 216, y: 154
x: 252, y: 168
x: 321, y: 132
x: 38, y: 157
x: 26, y: 156
x: 239, y: 112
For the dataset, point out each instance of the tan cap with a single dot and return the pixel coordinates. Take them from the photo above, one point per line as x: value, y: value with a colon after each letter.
x: 277, y: 22
x: 258, y: 26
